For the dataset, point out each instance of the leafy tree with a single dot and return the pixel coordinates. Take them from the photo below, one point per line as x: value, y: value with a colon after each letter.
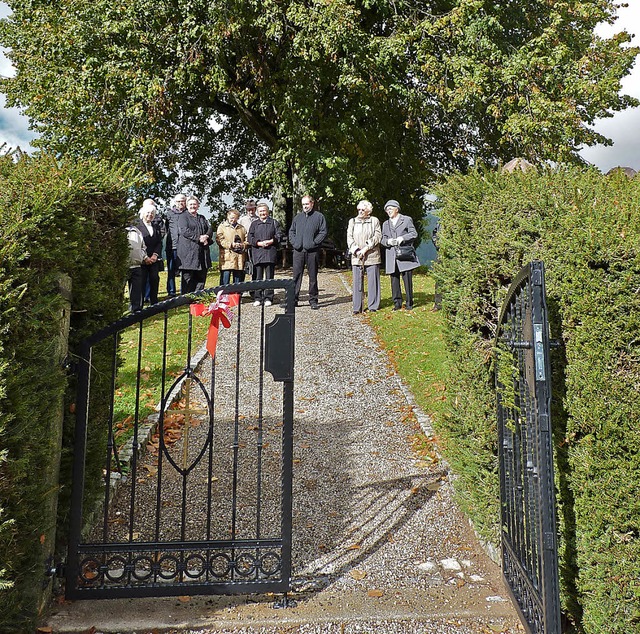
x: 343, y: 98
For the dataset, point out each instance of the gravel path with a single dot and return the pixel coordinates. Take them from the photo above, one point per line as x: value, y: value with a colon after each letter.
x: 378, y: 542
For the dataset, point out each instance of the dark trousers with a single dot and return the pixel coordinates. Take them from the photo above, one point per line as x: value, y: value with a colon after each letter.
x: 264, y: 271
x: 172, y: 257
x: 193, y: 281
x: 151, y: 281
x: 250, y: 267
x: 135, y: 288
x: 310, y: 260
x: 396, y: 292
x: 225, y: 276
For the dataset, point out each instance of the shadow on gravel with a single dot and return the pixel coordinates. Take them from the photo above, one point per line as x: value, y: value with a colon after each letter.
x: 339, y: 523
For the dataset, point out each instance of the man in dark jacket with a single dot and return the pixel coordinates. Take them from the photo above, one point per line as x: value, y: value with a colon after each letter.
x: 308, y: 230
x: 173, y: 216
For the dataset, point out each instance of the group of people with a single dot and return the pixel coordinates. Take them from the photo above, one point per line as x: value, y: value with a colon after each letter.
x: 364, y: 239
x: 254, y: 238
x: 188, y: 238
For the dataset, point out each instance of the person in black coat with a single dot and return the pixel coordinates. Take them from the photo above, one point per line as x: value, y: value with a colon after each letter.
x: 152, y: 233
x: 179, y: 206
x: 264, y: 238
x: 306, y: 234
x: 193, y: 247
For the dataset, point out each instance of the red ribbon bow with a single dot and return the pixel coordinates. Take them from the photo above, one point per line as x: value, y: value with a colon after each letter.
x: 220, y: 311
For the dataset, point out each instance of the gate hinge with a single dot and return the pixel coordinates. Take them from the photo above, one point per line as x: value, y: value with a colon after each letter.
x: 536, y: 277
x: 53, y: 568
x: 69, y: 365
x: 549, y: 541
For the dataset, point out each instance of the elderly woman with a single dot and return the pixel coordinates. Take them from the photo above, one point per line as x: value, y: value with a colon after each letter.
x: 152, y: 233
x: 363, y: 242
x: 264, y: 238
x: 399, y: 230
x: 194, y: 258
x: 231, y: 237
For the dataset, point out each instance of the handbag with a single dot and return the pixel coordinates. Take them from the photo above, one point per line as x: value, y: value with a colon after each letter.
x: 160, y: 264
x: 405, y: 253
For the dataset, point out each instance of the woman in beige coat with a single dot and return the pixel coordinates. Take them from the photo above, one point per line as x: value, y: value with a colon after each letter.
x: 363, y: 241
x: 231, y: 237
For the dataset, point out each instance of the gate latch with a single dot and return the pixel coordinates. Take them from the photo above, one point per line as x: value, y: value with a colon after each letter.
x: 538, y: 348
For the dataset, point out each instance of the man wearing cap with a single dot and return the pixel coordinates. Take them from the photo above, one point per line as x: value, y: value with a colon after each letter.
x: 249, y: 216
x: 399, y: 230
x: 308, y: 230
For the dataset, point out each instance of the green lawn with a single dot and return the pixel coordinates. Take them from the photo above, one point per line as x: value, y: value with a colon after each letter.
x: 151, y: 368
x: 414, y: 341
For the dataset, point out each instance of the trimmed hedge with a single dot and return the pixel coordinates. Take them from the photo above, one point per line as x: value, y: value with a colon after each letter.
x: 55, y: 218
x: 586, y: 229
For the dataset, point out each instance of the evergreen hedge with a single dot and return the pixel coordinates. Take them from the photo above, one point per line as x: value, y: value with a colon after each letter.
x: 55, y: 218
x: 586, y: 229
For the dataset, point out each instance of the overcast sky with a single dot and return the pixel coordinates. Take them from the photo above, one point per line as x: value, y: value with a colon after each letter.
x: 623, y: 128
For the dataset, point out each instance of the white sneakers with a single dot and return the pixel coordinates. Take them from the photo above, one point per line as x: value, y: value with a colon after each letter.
x: 267, y: 302
x: 257, y: 302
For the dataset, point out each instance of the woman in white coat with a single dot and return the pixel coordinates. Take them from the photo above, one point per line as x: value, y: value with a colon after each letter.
x: 363, y: 241
x: 399, y: 230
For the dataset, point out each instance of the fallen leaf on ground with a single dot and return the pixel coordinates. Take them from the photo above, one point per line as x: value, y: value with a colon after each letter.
x: 375, y: 593
x: 354, y: 547
x: 358, y: 575
x: 184, y: 599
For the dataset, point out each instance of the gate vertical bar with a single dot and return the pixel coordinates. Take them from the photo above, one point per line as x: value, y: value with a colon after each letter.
x: 287, y: 444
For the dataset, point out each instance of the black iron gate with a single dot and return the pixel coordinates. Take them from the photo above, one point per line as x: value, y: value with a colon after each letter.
x: 194, y: 493
x: 523, y: 382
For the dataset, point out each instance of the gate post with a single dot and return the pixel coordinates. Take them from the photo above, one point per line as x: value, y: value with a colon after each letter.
x: 52, y: 469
